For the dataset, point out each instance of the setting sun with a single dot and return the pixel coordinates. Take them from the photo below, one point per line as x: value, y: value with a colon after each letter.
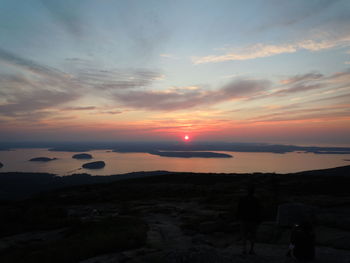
x: 186, y: 137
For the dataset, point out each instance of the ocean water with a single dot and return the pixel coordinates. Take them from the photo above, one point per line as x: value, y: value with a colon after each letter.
x: 119, y: 163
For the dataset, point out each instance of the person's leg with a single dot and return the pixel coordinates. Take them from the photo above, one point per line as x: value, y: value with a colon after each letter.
x: 252, y: 232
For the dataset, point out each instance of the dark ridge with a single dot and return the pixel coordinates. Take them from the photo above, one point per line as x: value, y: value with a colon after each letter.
x: 16, y: 185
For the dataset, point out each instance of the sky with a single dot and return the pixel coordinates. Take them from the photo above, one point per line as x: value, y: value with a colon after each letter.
x: 240, y: 71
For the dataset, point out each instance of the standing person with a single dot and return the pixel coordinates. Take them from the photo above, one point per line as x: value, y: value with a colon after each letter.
x: 303, y: 242
x: 249, y: 215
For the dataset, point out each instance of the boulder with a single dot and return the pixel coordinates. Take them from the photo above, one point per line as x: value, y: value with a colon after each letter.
x: 42, y: 159
x: 341, y: 242
x: 209, y: 227
x: 198, y: 254
x: 332, y: 237
x: 82, y: 156
x: 94, y: 165
x: 294, y: 213
x: 270, y: 232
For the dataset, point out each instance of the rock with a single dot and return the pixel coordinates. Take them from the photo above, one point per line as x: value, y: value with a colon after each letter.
x: 94, y: 165
x: 208, y: 227
x: 82, y: 156
x: 293, y: 213
x: 332, y: 237
x: 23, y: 239
x: 268, y: 232
x: 336, y: 217
x: 108, y: 258
x: 42, y: 159
x: 341, y: 242
x: 200, y: 254
x: 1, y: 165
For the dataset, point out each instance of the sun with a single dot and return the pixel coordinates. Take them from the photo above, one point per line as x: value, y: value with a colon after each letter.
x: 186, y: 137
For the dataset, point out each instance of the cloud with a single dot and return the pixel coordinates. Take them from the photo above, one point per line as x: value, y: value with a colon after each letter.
x: 292, y: 12
x: 35, y: 100
x: 184, y: 99
x: 9, y: 59
x: 169, y: 56
x: 117, y: 79
x: 67, y: 14
x: 31, y: 87
x: 112, y: 112
x: 336, y: 82
x: 343, y: 97
x: 79, y: 108
x: 332, y: 112
x: 28, y: 86
x: 303, y: 77
x: 298, y: 88
x: 261, y: 50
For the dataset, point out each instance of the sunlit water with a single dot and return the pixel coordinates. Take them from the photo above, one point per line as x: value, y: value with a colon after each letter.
x: 118, y: 163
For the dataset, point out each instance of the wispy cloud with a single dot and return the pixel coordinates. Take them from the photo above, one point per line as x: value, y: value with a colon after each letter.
x: 169, y: 56
x: 332, y: 112
x: 261, y: 50
x: 68, y: 15
x: 30, y: 87
x: 303, y: 77
x: 189, y: 98
x: 83, y: 108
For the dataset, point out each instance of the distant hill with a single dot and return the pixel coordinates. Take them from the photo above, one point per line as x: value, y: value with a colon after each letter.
x: 16, y: 185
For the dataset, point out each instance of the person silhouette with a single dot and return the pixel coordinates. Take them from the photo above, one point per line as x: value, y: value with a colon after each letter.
x: 249, y: 215
x: 303, y: 242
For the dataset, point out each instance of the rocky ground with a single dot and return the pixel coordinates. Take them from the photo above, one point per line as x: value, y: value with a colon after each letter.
x: 175, y: 218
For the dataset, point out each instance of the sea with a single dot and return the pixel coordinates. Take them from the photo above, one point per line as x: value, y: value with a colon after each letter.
x: 17, y: 160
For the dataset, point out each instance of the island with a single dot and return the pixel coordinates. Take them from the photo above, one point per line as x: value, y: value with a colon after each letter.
x: 188, y: 154
x: 82, y: 156
x: 94, y: 165
x: 42, y: 159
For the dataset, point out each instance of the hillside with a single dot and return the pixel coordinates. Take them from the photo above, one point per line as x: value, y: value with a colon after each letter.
x: 170, y: 217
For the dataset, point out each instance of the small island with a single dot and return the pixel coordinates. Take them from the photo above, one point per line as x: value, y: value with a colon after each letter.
x: 94, y: 165
x: 1, y: 165
x: 187, y: 154
x: 42, y: 159
x: 82, y: 156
